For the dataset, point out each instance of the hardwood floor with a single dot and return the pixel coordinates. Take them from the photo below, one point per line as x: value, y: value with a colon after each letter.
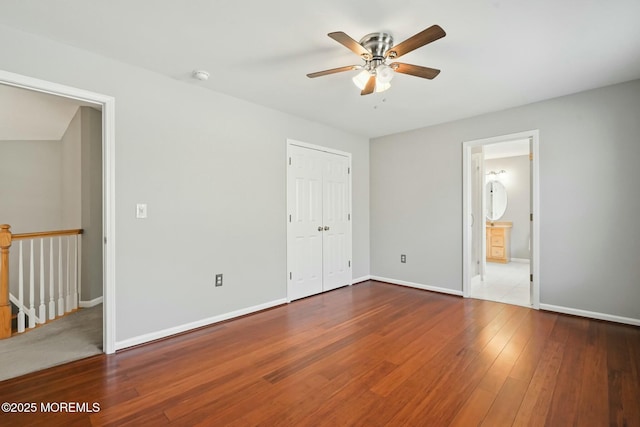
x: 371, y: 354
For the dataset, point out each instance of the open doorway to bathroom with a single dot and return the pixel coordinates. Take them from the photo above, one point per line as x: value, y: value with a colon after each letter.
x: 500, y: 191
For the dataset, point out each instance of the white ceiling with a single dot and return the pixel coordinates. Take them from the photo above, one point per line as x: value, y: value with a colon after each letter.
x: 497, y: 53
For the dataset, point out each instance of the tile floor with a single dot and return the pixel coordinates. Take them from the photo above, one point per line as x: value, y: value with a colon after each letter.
x: 508, y: 283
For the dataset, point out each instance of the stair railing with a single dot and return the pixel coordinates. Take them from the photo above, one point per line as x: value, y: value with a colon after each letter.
x: 56, y: 299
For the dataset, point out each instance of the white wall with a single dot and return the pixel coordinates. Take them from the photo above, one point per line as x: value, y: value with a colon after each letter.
x: 211, y: 169
x: 30, y: 177
x: 589, y: 199
x: 516, y: 182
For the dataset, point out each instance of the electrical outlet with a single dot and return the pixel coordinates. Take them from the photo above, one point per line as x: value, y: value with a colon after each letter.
x: 403, y: 259
x: 218, y: 279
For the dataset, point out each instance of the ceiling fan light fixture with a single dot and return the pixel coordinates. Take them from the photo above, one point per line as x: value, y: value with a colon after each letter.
x: 384, y: 73
x: 375, y: 49
x: 361, y: 79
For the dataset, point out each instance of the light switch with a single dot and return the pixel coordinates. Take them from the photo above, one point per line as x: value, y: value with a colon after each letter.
x: 141, y: 210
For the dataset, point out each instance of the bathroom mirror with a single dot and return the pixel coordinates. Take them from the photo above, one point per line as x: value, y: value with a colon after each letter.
x: 496, y: 200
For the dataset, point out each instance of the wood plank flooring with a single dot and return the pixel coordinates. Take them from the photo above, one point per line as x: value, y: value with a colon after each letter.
x: 372, y: 354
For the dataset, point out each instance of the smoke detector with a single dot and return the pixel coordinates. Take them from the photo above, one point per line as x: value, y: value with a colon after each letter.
x: 201, y: 75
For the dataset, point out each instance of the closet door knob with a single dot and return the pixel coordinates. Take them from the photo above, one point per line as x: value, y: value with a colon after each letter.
x: 326, y: 228
x: 320, y: 228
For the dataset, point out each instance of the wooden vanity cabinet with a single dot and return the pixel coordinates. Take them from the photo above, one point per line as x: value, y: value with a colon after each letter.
x: 499, y: 241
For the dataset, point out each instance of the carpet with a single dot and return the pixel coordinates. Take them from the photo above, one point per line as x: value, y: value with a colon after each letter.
x: 75, y: 336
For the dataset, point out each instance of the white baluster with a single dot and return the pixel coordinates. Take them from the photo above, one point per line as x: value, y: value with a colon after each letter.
x: 20, y: 291
x: 60, y: 291
x: 32, y: 289
x: 42, y: 309
x: 68, y: 290
x: 52, y: 303
x: 77, y: 273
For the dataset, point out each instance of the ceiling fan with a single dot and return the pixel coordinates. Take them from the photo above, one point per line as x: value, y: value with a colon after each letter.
x: 376, y: 49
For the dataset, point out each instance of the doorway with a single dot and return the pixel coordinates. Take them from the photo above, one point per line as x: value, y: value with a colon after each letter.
x: 318, y: 219
x: 106, y: 104
x: 501, y: 253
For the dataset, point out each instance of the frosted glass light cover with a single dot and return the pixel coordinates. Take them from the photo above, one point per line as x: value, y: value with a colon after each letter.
x: 361, y: 79
x: 381, y: 87
x: 384, y: 73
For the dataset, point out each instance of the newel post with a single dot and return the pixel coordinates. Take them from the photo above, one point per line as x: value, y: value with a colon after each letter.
x: 5, y: 306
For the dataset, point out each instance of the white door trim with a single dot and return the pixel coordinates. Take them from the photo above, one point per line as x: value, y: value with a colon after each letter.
x: 108, y: 184
x: 478, y: 207
x: 317, y: 147
x: 466, y: 208
x: 293, y: 142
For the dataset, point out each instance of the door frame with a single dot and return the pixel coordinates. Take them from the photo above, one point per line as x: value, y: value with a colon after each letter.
x: 534, y: 137
x: 108, y: 186
x: 477, y: 208
x: 293, y: 142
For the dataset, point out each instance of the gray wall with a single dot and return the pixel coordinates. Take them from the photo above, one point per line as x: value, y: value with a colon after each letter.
x: 54, y: 185
x: 517, y: 185
x: 211, y: 169
x: 30, y: 196
x: 91, y: 204
x: 30, y: 191
x: 589, y: 198
x: 71, y: 174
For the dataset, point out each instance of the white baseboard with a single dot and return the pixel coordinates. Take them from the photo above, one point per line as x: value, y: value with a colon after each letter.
x: 92, y: 303
x: 417, y: 285
x: 524, y: 260
x: 360, y: 279
x: 193, y: 325
x: 590, y: 314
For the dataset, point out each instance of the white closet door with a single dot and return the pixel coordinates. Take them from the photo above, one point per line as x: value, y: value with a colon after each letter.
x: 319, y: 232
x: 305, y: 228
x: 335, y: 210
